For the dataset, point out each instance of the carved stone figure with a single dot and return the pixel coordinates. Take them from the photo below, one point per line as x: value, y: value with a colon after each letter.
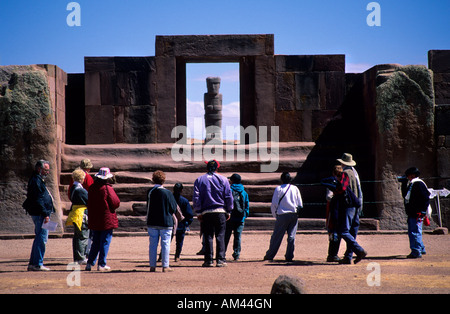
x: 213, y: 111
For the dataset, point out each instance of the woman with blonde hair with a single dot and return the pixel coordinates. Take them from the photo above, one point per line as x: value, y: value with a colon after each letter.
x: 78, y: 217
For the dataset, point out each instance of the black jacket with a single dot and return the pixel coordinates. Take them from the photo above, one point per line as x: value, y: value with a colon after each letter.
x: 39, y: 201
x: 161, y: 205
x: 419, y: 198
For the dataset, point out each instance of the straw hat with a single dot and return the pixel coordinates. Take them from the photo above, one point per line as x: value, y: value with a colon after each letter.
x: 347, y: 160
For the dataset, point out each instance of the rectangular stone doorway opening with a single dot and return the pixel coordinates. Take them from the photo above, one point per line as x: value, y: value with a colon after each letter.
x: 196, y: 87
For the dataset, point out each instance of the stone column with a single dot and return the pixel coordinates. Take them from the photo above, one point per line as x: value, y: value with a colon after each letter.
x: 213, y: 111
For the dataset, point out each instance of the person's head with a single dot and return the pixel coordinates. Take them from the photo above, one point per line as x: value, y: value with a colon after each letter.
x: 212, y: 165
x: 286, y: 177
x: 235, y: 178
x: 337, y: 170
x: 347, y: 160
x: 42, y: 168
x: 412, y: 173
x: 104, y: 174
x: 159, y: 177
x: 78, y: 175
x: 86, y: 165
x: 177, y: 188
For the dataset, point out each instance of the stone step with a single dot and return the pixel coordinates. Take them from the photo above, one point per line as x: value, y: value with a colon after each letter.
x: 151, y: 157
x: 138, y: 224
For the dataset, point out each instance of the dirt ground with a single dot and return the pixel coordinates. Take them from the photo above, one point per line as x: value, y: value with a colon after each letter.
x: 385, y: 271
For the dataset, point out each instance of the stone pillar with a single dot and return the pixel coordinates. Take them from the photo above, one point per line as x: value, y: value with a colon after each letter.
x: 403, y: 135
x: 213, y: 111
x: 32, y: 128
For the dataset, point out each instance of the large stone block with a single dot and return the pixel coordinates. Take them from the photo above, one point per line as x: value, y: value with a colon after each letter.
x: 439, y: 61
x: 222, y: 46
x: 99, y: 124
x: 310, y: 63
x: 405, y: 135
x: 442, y: 118
x: 28, y: 132
x: 442, y: 88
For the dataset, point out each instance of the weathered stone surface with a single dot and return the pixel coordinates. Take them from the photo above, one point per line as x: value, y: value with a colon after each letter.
x: 405, y: 135
x: 27, y: 133
x: 198, y: 46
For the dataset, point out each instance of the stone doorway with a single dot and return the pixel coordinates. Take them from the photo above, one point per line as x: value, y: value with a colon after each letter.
x: 196, y: 86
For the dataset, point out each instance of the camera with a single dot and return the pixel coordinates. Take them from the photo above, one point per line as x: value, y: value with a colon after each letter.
x: 402, y: 179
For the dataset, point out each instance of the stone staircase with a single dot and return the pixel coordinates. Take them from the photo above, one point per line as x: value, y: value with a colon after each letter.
x: 133, y: 166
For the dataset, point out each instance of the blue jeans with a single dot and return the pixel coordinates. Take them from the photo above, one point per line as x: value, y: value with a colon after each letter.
x: 100, y: 247
x: 284, y: 223
x: 154, y: 235
x: 40, y: 240
x: 347, y: 230
x: 415, y: 236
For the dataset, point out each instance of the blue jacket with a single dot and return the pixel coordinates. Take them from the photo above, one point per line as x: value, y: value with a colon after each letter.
x: 161, y: 205
x: 240, y: 188
x: 186, y: 210
x: 212, y: 193
x: 39, y: 202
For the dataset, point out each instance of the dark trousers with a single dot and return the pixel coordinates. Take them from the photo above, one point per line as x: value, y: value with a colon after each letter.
x: 214, y: 224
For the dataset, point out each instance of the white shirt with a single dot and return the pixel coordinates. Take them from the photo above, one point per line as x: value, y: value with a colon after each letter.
x: 290, y: 201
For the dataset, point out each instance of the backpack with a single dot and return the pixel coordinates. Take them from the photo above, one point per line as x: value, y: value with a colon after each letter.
x: 238, y: 205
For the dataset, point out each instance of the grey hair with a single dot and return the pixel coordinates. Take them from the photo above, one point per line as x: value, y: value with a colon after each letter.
x: 40, y: 164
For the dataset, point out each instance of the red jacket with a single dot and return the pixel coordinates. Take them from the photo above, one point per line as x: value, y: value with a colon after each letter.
x: 102, y: 204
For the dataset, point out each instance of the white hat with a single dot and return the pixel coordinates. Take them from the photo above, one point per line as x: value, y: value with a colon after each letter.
x: 347, y: 160
x: 104, y: 173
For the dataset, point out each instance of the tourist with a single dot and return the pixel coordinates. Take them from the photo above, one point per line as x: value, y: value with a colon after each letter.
x: 345, y: 203
x: 86, y: 166
x: 240, y: 211
x: 416, y: 199
x: 78, y: 217
x: 348, y: 165
x: 188, y: 215
x: 286, y: 202
x: 331, y: 215
x: 213, y: 203
x: 102, y: 204
x: 39, y: 204
x: 161, y: 207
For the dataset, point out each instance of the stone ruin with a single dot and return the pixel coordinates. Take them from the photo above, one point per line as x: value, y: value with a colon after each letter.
x: 122, y: 110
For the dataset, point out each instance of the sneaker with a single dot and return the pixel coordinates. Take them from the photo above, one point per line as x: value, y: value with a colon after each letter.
x: 103, y: 268
x: 221, y: 264
x: 152, y: 269
x: 345, y: 261
x: 88, y: 267
x: 37, y: 268
x: 167, y: 270
x: 414, y: 255
x: 360, y: 256
x: 208, y: 264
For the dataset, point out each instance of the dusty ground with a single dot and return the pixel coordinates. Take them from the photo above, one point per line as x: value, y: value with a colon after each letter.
x: 128, y: 258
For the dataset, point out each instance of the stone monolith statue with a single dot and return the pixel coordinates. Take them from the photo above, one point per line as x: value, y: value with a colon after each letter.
x: 213, y: 111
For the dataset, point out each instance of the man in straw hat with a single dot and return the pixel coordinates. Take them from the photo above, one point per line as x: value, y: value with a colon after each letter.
x: 348, y: 165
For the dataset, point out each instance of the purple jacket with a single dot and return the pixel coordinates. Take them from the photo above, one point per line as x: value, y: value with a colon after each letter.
x: 212, y: 192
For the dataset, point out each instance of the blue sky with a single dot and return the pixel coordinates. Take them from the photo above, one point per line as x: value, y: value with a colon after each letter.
x: 36, y: 31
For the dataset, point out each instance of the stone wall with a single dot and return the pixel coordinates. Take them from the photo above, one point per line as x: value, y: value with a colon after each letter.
x: 32, y: 127
x: 120, y: 101
x: 142, y: 99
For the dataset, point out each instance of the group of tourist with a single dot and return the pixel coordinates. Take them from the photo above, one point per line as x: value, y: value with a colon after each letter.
x: 221, y: 205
